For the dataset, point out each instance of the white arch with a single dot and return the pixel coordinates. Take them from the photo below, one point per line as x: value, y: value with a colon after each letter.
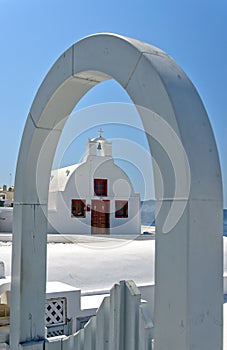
x: 188, y: 297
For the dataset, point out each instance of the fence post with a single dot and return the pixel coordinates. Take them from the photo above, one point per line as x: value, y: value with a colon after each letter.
x: 146, y: 328
x: 90, y: 334
x: 102, y: 325
x: 132, y: 303
x: 79, y: 340
x: 116, y: 330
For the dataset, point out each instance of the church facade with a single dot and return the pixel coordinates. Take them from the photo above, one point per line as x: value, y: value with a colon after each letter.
x: 93, y: 197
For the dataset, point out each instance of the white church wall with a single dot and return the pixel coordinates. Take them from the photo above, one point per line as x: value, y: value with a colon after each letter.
x: 77, y: 182
x: 62, y: 221
x: 132, y: 223
x: 80, y: 185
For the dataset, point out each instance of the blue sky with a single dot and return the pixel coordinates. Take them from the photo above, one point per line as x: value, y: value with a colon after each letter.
x: 34, y: 33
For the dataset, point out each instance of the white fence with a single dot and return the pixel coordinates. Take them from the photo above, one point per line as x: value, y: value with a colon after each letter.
x: 122, y: 323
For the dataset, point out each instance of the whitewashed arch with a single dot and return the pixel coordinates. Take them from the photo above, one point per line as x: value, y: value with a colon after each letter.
x: 188, y: 296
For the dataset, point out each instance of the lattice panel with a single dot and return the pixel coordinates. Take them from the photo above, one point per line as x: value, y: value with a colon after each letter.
x: 55, y: 332
x: 55, y: 311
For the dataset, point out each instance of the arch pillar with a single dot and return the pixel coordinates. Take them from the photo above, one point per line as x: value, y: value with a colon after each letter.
x: 188, y: 292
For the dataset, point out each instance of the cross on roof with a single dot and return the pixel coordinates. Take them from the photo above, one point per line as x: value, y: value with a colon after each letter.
x: 100, y: 132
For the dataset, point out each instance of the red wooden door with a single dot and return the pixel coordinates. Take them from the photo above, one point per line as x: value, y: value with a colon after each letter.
x: 100, y: 216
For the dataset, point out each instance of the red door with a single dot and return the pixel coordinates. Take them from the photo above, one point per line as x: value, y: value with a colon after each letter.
x: 100, y: 216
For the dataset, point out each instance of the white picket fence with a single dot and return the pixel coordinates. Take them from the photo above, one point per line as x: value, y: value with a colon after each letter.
x: 122, y: 322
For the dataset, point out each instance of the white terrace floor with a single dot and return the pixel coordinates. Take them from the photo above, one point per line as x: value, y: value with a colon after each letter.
x: 94, y: 264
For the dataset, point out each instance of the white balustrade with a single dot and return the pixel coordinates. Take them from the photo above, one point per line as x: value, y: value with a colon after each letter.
x: 122, y: 323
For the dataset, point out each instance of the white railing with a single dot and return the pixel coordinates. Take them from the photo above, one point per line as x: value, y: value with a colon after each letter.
x: 122, y: 322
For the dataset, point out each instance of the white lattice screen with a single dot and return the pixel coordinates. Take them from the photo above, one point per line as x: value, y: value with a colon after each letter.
x: 55, y: 312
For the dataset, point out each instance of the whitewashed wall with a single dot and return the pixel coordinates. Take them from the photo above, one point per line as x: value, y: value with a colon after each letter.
x: 6, y: 219
x: 78, y: 184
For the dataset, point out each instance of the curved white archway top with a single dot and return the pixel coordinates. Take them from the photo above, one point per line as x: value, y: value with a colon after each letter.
x: 154, y: 82
x: 90, y: 61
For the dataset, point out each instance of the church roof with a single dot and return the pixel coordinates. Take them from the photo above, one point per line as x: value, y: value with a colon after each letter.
x: 60, y: 177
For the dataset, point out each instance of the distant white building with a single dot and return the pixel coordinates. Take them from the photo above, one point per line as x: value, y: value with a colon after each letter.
x: 6, y: 196
x: 6, y: 208
x: 93, y: 197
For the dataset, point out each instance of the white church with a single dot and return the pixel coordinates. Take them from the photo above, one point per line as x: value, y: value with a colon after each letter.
x: 93, y: 197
